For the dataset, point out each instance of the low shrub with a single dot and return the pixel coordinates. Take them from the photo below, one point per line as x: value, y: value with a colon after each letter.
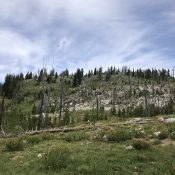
x: 163, y: 135
x: 144, y: 158
x: 86, y: 117
x: 98, y: 136
x: 156, y: 142
x: 34, y: 139
x: 173, y: 153
x: 172, y: 135
x: 138, y: 134
x: 56, y: 159
x: 170, y: 127
x: 48, y: 136
x: 14, y: 145
x: 140, y: 144
x: 75, y: 136
x: 119, y: 135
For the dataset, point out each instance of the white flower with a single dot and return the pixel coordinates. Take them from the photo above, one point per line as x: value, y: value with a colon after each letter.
x: 39, y: 156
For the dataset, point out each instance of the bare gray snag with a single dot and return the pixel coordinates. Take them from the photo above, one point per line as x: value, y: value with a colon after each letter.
x: 97, y: 108
x: 1, y: 117
x: 42, y: 106
x: 147, y: 105
x: 61, y: 102
x: 74, y: 103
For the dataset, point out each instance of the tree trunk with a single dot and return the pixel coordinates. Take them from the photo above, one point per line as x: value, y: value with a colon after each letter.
x: 147, y: 106
x: 42, y: 103
x: 40, y: 112
x: 74, y: 105
x: 97, y: 100
x: 1, y: 116
x: 61, y: 102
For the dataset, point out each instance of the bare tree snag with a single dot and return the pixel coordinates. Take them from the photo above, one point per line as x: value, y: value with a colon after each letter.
x: 97, y: 108
x: 1, y: 116
x: 61, y: 102
x: 147, y: 105
x: 40, y: 120
x: 74, y: 104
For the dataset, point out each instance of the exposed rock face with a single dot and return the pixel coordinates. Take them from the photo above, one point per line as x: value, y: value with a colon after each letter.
x: 130, y: 147
x: 17, y: 158
x: 124, y: 96
x: 161, y: 119
x: 138, y: 121
x: 2, y: 133
x: 169, y: 120
x: 157, y: 133
x: 105, y: 138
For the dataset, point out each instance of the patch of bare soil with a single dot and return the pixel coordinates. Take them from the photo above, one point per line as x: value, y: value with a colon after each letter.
x: 167, y: 141
x: 17, y: 158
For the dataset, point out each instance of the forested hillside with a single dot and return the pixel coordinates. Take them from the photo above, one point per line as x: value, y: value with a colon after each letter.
x: 49, y: 99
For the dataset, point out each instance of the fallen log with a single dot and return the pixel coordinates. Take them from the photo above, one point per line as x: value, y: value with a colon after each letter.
x: 54, y: 130
x: 57, y: 130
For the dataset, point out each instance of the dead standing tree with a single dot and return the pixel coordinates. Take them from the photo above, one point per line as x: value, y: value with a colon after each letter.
x: 1, y: 116
x: 74, y: 103
x: 147, y: 104
x: 61, y: 101
x: 173, y: 72
x: 113, y: 108
x: 97, y: 107
x: 43, y: 101
x: 98, y: 104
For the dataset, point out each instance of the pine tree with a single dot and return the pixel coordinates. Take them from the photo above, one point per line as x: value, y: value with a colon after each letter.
x: 100, y: 74
x: 119, y: 112
x: 89, y: 74
x: 113, y: 110
x: 66, y: 118
x: 95, y: 71
x: 108, y: 76
x: 61, y: 101
x: 77, y: 78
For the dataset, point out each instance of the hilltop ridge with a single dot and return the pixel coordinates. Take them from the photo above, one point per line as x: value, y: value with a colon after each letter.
x: 49, y: 99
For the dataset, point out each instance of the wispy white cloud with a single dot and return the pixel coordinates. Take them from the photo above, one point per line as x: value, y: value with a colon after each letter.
x: 17, y: 53
x: 90, y: 33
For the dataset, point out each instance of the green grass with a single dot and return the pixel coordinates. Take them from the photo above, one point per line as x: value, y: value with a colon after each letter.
x: 56, y: 159
x: 172, y: 135
x: 89, y: 158
x: 140, y: 144
x: 14, y: 145
x: 81, y: 153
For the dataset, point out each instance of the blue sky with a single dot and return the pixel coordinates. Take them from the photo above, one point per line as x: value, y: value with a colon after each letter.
x: 90, y: 33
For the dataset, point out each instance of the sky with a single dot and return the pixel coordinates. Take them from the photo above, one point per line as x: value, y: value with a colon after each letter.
x: 86, y: 34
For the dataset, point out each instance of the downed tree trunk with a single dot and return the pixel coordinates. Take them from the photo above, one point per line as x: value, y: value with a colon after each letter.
x: 57, y: 130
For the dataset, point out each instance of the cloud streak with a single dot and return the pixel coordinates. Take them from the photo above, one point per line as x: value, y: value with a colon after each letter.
x: 90, y: 34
